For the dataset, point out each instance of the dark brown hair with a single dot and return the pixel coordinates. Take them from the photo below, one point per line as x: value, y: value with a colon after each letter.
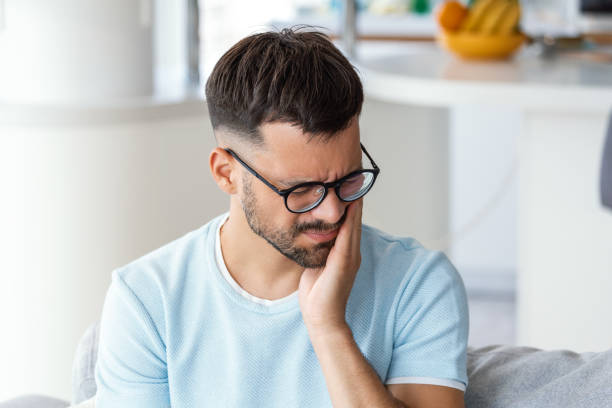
x: 296, y: 76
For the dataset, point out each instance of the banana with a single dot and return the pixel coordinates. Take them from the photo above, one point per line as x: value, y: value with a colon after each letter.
x: 509, y: 21
x: 494, y: 16
x: 477, y: 13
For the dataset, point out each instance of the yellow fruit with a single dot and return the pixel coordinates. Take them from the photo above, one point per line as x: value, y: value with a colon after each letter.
x: 494, y: 16
x: 510, y: 19
x: 476, y: 14
x: 450, y: 14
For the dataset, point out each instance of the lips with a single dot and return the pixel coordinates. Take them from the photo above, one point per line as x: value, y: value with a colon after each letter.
x: 320, y: 236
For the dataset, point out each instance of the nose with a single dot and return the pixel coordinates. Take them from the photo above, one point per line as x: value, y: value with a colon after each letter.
x: 331, y: 209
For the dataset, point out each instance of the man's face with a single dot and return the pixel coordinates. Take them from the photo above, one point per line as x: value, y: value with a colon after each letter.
x: 289, y: 158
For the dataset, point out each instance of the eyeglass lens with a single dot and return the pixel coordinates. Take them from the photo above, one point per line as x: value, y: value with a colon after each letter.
x: 305, y: 198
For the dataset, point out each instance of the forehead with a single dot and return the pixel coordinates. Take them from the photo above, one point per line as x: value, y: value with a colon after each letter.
x: 295, y: 154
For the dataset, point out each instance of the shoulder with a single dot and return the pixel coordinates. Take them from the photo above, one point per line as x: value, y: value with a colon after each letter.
x: 402, y: 262
x: 158, y: 276
x: 166, y: 263
x: 381, y: 250
x: 375, y: 242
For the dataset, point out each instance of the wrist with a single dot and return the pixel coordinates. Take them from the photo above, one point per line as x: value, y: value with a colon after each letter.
x: 330, y: 333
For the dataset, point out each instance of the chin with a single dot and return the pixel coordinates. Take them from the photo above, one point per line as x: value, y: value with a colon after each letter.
x: 317, y: 256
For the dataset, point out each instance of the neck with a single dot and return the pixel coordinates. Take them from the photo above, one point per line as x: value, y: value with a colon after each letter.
x: 255, y: 265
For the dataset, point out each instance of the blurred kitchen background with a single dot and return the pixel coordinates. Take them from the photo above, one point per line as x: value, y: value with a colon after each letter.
x: 104, y: 140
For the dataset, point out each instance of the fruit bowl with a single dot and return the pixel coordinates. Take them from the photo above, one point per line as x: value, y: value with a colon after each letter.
x: 481, y: 46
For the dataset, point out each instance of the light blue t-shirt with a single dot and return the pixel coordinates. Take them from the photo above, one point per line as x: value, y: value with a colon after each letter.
x: 178, y: 331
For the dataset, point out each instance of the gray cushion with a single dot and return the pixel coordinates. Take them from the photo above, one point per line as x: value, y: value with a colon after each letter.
x: 83, y: 367
x: 525, y: 377
x: 34, y: 401
x: 606, y: 169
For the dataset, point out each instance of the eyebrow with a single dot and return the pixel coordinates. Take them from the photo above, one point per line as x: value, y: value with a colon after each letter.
x: 294, y: 182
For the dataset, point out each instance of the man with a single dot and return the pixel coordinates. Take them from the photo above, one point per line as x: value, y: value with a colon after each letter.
x: 286, y: 301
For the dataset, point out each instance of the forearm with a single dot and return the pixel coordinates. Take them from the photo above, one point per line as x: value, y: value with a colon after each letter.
x: 350, y: 379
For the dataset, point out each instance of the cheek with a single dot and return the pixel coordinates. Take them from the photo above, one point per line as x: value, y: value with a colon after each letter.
x: 272, y: 212
x: 271, y: 207
x: 268, y: 201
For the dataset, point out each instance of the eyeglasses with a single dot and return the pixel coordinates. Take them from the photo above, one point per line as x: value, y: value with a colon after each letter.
x: 304, y: 197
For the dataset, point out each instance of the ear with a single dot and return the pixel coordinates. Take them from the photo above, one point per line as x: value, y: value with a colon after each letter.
x: 222, y: 167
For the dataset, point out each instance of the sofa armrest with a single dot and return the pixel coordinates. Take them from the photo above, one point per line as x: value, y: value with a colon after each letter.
x: 504, y: 376
x: 34, y: 401
x: 84, y: 365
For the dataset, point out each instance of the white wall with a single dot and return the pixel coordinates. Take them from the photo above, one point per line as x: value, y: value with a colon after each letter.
x: 410, y: 145
x: 449, y: 179
x: 483, y: 182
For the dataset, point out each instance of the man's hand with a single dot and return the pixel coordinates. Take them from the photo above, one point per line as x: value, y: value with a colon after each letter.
x: 324, y: 292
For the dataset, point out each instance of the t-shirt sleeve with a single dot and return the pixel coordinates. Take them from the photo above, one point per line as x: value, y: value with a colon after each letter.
x: 431, y: 327
x: 131, y: 368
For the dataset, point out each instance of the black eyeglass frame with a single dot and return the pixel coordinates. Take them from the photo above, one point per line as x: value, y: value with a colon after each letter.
x: 285, y: 192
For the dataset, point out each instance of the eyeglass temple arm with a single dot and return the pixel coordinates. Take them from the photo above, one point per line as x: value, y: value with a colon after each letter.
x: 253, y: 172
x: 369, y: 157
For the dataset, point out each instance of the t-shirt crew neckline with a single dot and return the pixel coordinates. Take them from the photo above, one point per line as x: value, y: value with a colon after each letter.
x: 236, y: 292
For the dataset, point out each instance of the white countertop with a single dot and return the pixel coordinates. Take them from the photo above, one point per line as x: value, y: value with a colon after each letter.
x: 424, y: 74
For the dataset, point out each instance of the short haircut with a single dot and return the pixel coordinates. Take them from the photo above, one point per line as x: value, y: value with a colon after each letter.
x: 295, y: 76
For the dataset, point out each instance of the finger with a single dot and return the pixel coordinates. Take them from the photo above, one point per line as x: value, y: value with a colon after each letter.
x: 344, y: 235
x: 357, y: 215
x: 351, y: 227
x: 356, y: 228
x: 344, y: 247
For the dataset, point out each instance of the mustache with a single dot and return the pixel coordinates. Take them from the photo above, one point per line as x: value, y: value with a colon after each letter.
x: 319, y: 226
